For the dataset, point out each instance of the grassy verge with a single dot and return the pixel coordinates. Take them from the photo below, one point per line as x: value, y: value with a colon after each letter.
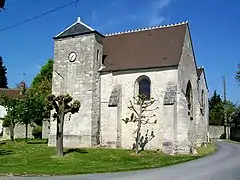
x: 203, y: 151
x: 32, y: 158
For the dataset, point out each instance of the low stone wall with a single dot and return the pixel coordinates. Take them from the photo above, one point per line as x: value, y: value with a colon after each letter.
x: 215, y: 132
x: 19, y: 132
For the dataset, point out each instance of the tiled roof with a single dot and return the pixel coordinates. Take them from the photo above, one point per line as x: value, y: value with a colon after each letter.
x: 14, y: 93
x: 159, y: 46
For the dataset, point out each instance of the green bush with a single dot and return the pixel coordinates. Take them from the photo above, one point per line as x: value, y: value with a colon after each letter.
x: 37, y: 132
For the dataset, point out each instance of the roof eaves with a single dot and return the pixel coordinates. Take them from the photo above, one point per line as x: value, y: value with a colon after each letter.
x: 130, y: 69
x: 78, y: 34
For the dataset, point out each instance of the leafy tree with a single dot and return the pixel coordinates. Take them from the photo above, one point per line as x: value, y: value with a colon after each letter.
x: 44, y: 79
x: 10, y: 119
x: 138, y: 116
x: 216, y: 110
x: 234, y: 117
x: 41, y: 87
x: 31, y: 110
x: 61, y: 106
x: 3, y: 75
x: 238, y: 74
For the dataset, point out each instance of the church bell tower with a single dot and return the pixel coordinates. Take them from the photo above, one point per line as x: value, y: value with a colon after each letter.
x: 77, y: 60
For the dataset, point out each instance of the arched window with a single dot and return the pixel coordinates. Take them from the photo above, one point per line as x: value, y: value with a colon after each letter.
x: 143, y: 87
x: 189, y: 97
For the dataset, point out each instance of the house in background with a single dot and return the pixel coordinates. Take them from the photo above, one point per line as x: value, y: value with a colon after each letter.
x: 19, y: 131
x: 104, y: 72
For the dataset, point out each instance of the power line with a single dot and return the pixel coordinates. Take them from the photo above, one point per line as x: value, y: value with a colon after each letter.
x: 36, y: 17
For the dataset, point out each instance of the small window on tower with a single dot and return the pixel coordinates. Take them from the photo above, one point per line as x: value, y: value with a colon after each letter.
x: 97, y: 55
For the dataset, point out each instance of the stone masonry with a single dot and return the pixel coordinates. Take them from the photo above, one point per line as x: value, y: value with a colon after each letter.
x: 81, y: 80
x: 105, y: 93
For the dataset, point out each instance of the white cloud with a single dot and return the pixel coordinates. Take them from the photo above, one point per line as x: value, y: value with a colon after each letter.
x: 156, y: 20
x: 162, y: 4
x: 156, y: 17
x: 94, y: 16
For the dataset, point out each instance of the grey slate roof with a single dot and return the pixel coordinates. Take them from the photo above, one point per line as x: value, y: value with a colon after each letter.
x: 78, y: 28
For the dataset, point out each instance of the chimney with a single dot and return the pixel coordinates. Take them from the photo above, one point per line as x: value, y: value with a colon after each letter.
x: 22, y: 86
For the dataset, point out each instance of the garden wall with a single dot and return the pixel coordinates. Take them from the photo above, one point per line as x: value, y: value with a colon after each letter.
x: 19, y: 132
x: 215, y: 132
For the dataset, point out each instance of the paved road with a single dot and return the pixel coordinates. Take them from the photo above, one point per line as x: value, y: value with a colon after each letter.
x: 223, y: 165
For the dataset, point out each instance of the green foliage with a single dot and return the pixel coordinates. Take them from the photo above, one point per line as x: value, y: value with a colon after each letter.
x: 216, y: 109
x: 235, y: 117
x: 6, y: 121
x: 11, y: 105
x: 45, y: 74
x: 42, y: 87
x: 3, y: 75
x: 31, y: 109
x: 37, y: 132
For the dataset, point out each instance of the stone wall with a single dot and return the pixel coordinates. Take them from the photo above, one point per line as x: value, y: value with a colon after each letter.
x: 111, y: 117
x: 215, y: 132
x: 81, y: 79
x: 189, y: 132
x: 19, y: 132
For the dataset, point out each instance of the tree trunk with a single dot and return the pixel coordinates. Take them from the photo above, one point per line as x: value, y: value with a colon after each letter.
x: 11, y: 128
x: 26, y: 131
x: 60, y: 122
x: 138, y: 137
x: 139, y: 129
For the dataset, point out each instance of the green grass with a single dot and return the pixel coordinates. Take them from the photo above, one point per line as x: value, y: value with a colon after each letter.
x: 31, y: 159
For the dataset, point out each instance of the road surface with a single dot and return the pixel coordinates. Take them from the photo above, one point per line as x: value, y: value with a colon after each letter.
x: 223, y: 165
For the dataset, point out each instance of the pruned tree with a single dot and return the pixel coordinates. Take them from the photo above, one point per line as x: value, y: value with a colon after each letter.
x: 139, y: 108
x: 61, y: 106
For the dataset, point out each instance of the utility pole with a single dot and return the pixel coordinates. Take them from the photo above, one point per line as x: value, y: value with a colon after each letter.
x: 225, y: 109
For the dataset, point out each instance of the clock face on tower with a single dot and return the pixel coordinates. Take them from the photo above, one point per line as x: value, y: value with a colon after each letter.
x: 72, y: 56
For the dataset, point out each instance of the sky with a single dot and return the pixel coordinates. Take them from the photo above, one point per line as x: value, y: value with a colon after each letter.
x: 214, y: 27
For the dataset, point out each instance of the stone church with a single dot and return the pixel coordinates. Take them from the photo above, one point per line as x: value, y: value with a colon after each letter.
x: 105, y: 72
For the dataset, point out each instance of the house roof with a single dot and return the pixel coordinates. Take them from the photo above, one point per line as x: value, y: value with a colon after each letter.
x: 145, y: 48
x: 77, y: 28
x: 13, y: 93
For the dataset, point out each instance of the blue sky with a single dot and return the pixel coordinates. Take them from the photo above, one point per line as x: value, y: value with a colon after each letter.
x: 214, y: 28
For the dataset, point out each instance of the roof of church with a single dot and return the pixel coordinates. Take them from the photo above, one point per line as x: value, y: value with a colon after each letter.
x: 77, y: 28
x: 159, y: 46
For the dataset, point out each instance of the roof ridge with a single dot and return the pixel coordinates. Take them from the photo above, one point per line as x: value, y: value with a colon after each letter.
x: 149, y: 28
